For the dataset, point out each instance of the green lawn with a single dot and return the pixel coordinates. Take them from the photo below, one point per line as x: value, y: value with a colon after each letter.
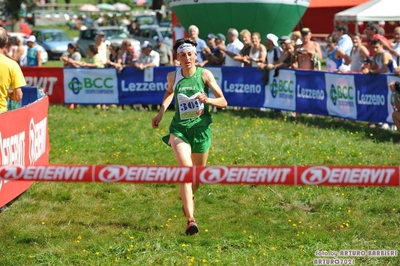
x: 143, y: 224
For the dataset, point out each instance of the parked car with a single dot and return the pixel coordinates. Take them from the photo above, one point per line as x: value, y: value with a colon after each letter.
x: 55, y: 41
x: 151, y: 33
x: 112, y: 33
x: 147, y: 19
x: 23, y: 27
x: 44, y: 55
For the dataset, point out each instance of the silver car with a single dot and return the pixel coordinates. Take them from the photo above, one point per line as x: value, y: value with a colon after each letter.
x: 112, y: 33
x: 151, y: 33
x: 55, y: 41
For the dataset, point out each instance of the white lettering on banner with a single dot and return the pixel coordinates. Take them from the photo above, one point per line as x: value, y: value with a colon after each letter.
x: 321, y: 174
x: 47, y: 83
x: 310, y: 93
x: 143, y: 174
x: 37, y: 139
x: 213, y: 175
x: 3, y: 182
x: 98, y: 91
x: 45, y: 173
x: 144, y: 86
x: 242, y: 88
x: 12, y: 149
x: 370, y: 99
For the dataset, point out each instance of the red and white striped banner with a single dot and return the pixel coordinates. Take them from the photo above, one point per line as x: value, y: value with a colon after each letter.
x: 260, y: 175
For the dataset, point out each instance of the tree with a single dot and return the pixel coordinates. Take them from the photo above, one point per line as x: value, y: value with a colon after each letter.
x: 12, y: 10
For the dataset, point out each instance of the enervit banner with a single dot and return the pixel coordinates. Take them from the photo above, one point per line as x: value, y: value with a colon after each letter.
x: 261, y: 175
x: 50, y: 79
x: 24, y: 143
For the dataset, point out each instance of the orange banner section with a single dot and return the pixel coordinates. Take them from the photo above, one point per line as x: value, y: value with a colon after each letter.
x: 260, y: 175
x: 24, y: 140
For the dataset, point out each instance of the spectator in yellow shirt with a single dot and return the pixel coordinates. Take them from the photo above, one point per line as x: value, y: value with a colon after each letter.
x: 10, y: 76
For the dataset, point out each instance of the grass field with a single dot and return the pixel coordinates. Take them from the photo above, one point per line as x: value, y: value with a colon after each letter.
x: 138, y: 224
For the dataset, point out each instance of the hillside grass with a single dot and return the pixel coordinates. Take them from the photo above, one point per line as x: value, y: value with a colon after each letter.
x: 143, y: 224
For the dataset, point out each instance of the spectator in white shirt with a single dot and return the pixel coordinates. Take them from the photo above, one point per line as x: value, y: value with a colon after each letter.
x: 148, y: 57
x: 345, y: 42
x: 232, y: 49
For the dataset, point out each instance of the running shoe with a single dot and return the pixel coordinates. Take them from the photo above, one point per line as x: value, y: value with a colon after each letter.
x: 191, y: 228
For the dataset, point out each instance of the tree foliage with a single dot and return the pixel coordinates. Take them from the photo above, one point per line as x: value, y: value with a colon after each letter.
x: 13, y: 8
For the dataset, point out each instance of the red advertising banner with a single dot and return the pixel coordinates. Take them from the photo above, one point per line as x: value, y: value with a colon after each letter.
x: 50, y: 79
x: 24, y: 143
x: 260, y: 175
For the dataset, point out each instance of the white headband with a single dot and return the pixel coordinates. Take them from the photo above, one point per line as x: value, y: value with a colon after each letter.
x: 186, y: 47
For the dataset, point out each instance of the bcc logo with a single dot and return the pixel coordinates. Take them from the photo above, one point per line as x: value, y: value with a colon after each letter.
x: 341, y: 93
x: 75, y: 85
x: 283, y: 86
x: 274, y: 88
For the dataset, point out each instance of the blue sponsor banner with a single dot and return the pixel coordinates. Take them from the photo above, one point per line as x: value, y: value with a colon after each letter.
x: 243, y: 86
x: 372, y: 95
x: 351, y: 96
x: 143, y: 87
x: 311, y: 95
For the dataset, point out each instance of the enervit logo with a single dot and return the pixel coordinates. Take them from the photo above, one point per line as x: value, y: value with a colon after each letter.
x: 11, y: 172
x: 249, y: 175
x: 37, y: 139
x: 113, y: 173
x: 75, y: 85
x: 213, y: 175
x: 349, y: 175
x: 315, y: 175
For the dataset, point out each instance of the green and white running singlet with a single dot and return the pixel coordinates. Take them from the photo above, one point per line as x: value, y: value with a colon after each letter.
x: 192, y: 118
x: 190, y: 112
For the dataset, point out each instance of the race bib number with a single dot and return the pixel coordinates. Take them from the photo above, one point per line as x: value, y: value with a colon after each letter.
x: 189, y: 107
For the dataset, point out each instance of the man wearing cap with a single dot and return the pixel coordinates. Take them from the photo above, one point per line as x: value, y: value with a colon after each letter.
x: 288, y: 56
x: 213, y: 56
x: 166, y: 58
x: 148, y: 57
x: 283, y: 41
x: 232, y: 49
x: 101, y: 46
x: 11, y: 76
x: 220, y: 38
x: 309, y: 55
x: 34, y: 54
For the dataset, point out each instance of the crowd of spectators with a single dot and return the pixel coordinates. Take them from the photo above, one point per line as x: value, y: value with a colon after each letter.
x: 345, y: 52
